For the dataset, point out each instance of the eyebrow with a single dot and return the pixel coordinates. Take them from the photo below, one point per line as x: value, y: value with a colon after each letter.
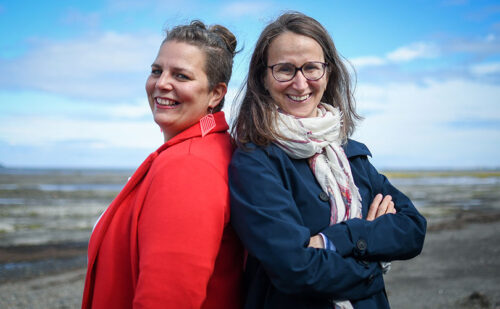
x: 178, y: 69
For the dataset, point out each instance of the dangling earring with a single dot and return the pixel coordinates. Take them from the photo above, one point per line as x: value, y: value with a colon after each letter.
x: 207, y: 123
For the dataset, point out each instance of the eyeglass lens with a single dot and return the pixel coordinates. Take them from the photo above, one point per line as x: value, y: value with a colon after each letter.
x: 287, y: 71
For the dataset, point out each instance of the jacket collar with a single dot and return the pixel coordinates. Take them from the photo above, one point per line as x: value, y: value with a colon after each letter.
x: 353, y: 149
x: 195, y: 131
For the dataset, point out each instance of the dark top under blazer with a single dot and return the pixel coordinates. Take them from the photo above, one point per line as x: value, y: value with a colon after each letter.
x: 277, y: 205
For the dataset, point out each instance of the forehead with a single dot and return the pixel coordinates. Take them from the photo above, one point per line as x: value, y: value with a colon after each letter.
x: 180, y: 54
x: 294, y: 48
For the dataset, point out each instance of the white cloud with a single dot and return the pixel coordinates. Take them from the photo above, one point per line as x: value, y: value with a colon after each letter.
x: 137, y: 110
x: 245, y: 8
x: 47, y: 131
x: 37, y: 119
x: 367, y: 61
x: 486, y: 68
x: 410, y: 125
x: 107, y: 66
x: 414, y: 51
x: 482, y: 45
x: 490, y: 38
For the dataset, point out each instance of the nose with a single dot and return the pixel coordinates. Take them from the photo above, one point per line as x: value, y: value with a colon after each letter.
x: 299, y: 81
x: 164, y: 82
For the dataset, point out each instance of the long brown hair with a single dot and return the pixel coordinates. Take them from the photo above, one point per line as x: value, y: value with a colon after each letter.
x: 219, y: 45
x: 256, y: 118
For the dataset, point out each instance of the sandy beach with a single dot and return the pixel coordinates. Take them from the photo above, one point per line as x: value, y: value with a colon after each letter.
x: 458, y: 268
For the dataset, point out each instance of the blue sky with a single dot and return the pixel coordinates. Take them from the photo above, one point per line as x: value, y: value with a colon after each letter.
x: 72, y: 76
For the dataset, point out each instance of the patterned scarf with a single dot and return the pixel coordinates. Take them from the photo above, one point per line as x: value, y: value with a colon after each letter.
x: 318, y: 139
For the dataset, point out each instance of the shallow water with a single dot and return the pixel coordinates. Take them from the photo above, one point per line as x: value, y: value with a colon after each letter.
x: 47, y: 206
x: 434, y: 195
x: 54, y: 206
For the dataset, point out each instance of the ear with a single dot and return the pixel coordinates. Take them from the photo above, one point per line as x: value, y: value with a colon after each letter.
x: 217, y: 94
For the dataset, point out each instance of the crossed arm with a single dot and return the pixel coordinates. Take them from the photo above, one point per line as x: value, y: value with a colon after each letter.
x: 272, y: 228
x: 381, y: 205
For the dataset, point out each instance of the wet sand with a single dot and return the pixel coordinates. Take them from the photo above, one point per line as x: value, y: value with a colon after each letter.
x: 458, y: 268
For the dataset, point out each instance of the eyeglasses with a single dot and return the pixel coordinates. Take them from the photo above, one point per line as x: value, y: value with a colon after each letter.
x: 284, y: 72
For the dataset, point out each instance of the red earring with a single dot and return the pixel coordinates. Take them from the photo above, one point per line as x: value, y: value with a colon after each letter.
x: 207, y: 123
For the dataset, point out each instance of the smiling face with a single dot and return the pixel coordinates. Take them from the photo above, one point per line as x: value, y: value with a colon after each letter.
x: 299, y: 96
x: 177, y: 88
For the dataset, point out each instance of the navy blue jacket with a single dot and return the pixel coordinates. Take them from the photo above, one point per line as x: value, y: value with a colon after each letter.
x: 277, y: 205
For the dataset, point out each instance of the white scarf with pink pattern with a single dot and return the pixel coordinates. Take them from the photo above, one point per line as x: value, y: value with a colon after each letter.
x: 318, y: 139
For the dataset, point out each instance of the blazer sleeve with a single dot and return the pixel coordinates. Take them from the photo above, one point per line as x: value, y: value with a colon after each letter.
x: 389, y: 237
x: 267, y: 220
x: 179, y: 234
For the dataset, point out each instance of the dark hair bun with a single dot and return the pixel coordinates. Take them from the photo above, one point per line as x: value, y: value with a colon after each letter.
x: 227, y: 36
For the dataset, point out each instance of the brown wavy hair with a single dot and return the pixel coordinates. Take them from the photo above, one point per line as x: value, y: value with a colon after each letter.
x: 256, y: 117
x: 219, y: 45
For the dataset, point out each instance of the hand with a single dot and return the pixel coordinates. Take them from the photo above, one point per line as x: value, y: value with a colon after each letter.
x: 380, y: 206
x: 316, y: 241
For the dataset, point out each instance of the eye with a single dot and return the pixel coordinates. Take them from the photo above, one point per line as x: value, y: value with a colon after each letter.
x: 311, y: 67
x: 181, y: 76
x: 285, y: 68
x: 156, y: 71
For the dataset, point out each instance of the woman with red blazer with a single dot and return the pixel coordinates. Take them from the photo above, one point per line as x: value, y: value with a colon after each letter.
x: 165, y: 241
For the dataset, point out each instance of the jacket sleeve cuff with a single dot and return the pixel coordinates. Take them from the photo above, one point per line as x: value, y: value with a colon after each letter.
x: 328, y: 245
x: 339, y: 233
x: 348, y: 241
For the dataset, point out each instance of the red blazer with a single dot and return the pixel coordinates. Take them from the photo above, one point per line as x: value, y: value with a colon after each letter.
x: 165, y: 241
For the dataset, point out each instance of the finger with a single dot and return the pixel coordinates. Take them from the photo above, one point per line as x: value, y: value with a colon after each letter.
x: 391, y: 209
x: 382, y: 208
x: 311, y: 242
x: 373, y: 207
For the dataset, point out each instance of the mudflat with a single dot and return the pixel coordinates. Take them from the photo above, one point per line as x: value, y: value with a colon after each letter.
x: 47, y: 217
x: 458, y: 268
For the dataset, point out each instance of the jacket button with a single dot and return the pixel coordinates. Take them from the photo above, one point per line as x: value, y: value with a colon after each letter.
x: 361, y: 245
x: 324, y: 197
x: 370, y: 278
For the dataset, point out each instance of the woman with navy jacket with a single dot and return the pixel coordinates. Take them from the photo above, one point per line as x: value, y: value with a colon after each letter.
x: 317, y: 219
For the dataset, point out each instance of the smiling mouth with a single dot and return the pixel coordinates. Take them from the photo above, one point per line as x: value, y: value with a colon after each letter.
x: 165, y: 103
x: 298, y: 98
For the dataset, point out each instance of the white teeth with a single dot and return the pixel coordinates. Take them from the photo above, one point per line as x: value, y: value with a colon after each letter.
x: 297, y: 98
x: 167, y: 102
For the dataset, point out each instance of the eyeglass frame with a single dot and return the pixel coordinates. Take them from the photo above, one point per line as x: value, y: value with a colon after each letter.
x: 323, y: 64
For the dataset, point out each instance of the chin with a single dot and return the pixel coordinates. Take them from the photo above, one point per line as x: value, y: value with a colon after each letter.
x: 302, y: 113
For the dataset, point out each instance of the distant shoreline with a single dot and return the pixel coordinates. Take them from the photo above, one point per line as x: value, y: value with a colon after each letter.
x: 479, y: 173
x: 424, y: 170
